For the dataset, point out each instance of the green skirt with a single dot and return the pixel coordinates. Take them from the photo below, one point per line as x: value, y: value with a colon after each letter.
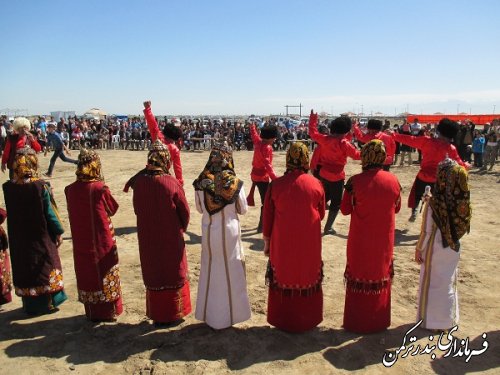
x: 44, y: 304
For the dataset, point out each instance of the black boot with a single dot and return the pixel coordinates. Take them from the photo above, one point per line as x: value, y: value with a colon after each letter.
x: 332, y: 214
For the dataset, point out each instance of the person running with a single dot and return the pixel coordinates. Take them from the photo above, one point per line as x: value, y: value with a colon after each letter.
x: 54, y: 138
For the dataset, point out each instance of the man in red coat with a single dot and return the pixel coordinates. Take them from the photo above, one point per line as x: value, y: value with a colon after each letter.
x: 262, y: 163
x: 434, y: 150
x: 162, y: 218
x: 375, y: 132
x: 335, y: 148
x: 170, y: 135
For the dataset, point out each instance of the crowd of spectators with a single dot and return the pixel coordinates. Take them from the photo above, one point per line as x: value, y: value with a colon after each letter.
x: 474, y: 145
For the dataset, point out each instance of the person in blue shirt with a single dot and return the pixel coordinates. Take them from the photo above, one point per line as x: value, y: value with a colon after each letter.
x: 55, y: 139
x: 478, y: 148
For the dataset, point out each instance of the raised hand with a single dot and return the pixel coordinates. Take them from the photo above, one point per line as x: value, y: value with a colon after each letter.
x: 313, y: 118
x: 147, y: 104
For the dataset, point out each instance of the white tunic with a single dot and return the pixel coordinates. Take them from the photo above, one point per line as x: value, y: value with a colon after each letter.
x: 437, y: 296
x: 222, y: 288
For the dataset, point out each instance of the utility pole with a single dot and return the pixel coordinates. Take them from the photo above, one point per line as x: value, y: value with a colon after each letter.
x: 294, y: 106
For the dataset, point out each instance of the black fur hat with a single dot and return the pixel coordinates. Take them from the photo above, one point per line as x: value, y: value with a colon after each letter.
x: 341, y: 125
x: 269, y: 132
x: 171, y: 131
x: 447, y: 128
x: 374, y: 124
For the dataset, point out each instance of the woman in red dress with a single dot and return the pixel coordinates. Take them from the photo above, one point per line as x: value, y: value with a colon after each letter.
x: 293, y: 210
x: 90, y: 207
x: 372, y: 198
x: 162, y: 218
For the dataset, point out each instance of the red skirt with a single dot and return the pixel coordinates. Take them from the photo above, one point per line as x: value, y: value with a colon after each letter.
x: 165, y: 306
x: 367, y: 313
x: 294, y: 313
x: 103, y: 311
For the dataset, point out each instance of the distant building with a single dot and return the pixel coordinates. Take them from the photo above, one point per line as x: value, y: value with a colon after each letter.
x: 57, y: 115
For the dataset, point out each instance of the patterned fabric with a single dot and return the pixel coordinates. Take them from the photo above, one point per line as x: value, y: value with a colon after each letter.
x: 158, y: 158
x: 373, y: 154
x: 110, y: 292
x: 5, y: 274
x: 297, y: 157
x: 55, y: 284
x: 89, y: 167
x: 218, y: 180
x: 365, y: 286
x: 25, y: 166
x: 450, y: 203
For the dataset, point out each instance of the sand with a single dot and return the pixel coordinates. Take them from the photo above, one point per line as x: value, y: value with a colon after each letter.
x: 65, y: 342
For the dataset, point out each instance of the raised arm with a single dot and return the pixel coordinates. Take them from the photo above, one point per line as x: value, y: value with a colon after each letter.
x: 313, y: 129
x: 350, y: 150
x: 253, y: 133
x: 154, y: 130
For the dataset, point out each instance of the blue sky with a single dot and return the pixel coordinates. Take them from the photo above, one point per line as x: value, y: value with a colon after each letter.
x: 243, y: 57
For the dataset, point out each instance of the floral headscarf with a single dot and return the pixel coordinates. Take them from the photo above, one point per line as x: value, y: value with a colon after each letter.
x: 373, y: 154
x: 450, y: 203
x: 218, y: 180
x: 158, y: 164
x: 297, y: 157
x: 89, y: 167
x: 158, y: 158
x: 25, y: 166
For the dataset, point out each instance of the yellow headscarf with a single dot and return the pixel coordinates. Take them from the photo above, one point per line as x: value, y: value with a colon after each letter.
x: 25, y: 166
x: 158, y: 158
x: 89, y: 167
x: 297, y: 157
x: 373, y: 154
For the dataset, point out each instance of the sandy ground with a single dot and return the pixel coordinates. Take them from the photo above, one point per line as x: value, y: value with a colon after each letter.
x: 65, y: 342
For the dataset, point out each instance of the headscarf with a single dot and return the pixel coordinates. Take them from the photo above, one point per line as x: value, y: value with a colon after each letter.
x: 158, y: 163
x: 373, y: 154
x: 89, y: 167
x: 25, y: 166
x: 450, y: 203
x: 218, y: 180
x: 297, y: 157
x: 158, y: 158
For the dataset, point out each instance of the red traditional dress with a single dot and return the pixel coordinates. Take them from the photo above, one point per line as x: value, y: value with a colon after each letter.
x: 90, y: 207
x: 162, y: 218
x: 175, y: 154
x: 5, y: 274
x: 434, y: 150
x: 293, y: 210
x: 371, y: 198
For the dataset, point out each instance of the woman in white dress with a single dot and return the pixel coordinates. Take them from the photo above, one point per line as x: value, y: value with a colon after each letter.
x: 222, y: 289
x: 446, y: 219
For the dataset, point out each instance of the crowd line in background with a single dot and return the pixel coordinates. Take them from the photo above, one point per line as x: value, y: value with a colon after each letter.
x: 476, y: 146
